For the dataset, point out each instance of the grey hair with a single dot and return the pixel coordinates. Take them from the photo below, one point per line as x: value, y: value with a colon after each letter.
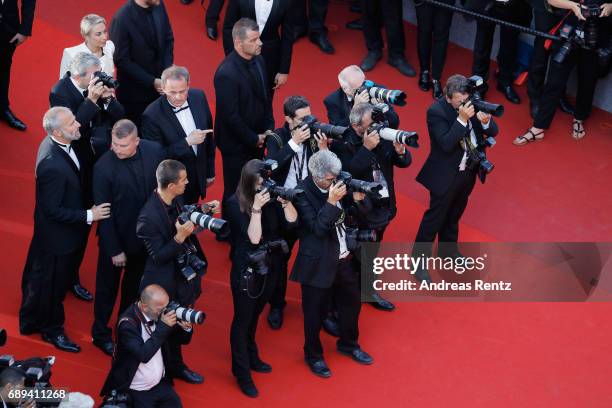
x: 89, y: 22
x: 52, y: 120
x: 348, y: 70
x: 242, y: 26
x: 324, y: 162
x: 358, y: 112
x: 455, y: 83
x: 77, y: 400
x: 175, y: 72
x: 82, y: 62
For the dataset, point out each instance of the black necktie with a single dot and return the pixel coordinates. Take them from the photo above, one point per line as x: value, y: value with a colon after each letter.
x: 85, y: 93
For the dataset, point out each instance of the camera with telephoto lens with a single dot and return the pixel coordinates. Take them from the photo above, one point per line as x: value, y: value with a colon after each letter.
x: 331, y: 131
x: 391, y: 96
x: 381, y: 125
x: 584, y: 34
x: 260, y: 257
x: 354, y: 236
x: 360, y: 186
x: 185, y: 314
x: 195, y: 214
x: 189, y: 263
x: 117, y: 400
x: 37, y: 373
x: 476, y: 86
x: 106, y: 80
x: 289, y: 194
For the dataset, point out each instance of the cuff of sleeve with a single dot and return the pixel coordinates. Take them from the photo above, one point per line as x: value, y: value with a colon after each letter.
x: 89, y: 216
x: 485, y: 126
x: 294, y: 146
x: 462, y: 122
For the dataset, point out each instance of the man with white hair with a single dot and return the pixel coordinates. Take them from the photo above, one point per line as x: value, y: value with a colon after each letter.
x: 61, y: 226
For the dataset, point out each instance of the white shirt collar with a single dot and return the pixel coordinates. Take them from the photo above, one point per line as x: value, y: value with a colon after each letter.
x: 184, y: 105
x: 76, y: 85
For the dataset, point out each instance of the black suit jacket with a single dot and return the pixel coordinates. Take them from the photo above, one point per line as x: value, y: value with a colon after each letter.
x: 445, y: 133
x: 138, y: 61
x: 60, y: 214
x: 10, y: 23
x: 159, y: 123
x: 277, y: 36
x: 114, y: 183
x: 339, y: 109
x: 277, y: 148
x: 131, y: 350
x: 244, y: 110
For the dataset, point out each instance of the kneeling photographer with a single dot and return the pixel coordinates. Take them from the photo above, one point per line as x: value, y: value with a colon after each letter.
x: 139, y: 376
x: 12, y: 381
x: 258, y: 214
x: 175, y: 260
x: 458, y: 136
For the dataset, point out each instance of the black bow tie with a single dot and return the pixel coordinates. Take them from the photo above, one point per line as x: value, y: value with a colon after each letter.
x: 151, y: 323
x: 177, y: 110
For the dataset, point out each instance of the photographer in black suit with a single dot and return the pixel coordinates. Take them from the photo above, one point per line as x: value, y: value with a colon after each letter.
x: 144, y: 47
x: 12, y: 380
x: 324, y: 266
x: 244, y: 106
x: 180, y: 120
x: 96, y: 109
x: 140, y: 365
x: 449, y: 173
x: 124, y: 177
x: 170, y: 246
x: 61, y: 226
x: 13, y: 32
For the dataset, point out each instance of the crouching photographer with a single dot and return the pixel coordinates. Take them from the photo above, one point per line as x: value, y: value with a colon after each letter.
x: 139, y: 376
x: 258, y: 214
x: 15, y: 376
x: 175, y: 260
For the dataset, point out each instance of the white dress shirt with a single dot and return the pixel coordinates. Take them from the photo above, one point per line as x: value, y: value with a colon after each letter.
x: 463, y: 163
x: 185, y: 118
x: 299, y: 161
x: 263, y: 8
x: 340, y: 232
x: 149, y: 374
x: 106, y: 61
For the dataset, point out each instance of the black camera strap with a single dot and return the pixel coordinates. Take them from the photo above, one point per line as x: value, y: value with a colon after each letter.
x: 298, y: 163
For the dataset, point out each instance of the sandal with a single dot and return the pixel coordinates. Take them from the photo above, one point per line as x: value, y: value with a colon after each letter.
x: 578, y: 131
x: 522, y: 140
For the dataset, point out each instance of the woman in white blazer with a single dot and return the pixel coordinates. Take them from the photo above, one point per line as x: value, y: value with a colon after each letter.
x: 93, y: 30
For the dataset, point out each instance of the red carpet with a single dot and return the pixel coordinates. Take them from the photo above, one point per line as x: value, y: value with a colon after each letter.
x: 426, y: 355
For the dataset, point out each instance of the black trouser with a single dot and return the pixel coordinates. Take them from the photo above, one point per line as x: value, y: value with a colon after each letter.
x: 162, y: 395
x: 544, y: 21
x: 433, y: 27
x: 81, y: 255
x: 248, y: 305
x: 108, y: 278
x: 315, y: 17
x: 277, y: 300
x: 518, y: 13
x: 45, y: 281
x: 377, y: 13
x: 7, y: 50
x: 316, y: 305
x: 213, y: 12
x: 367, y: 264
x: 586, y: 62
x: 442, y: 216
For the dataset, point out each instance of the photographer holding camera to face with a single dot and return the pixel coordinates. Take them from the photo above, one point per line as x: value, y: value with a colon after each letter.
x: 258, y: 216
x: 458, y: 133
x: 11, y: 380
x: 175, y: 260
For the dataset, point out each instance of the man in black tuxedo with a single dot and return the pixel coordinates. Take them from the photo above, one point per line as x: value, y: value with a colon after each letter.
x: 124, y: 177
x: 324, y: 266
x: 96, y: 110
x: 167, y: 241
x: 13, y: 32
x: 449, y: 173
x: 244, y: 106
x: 61, y: 225
x: 276, y: 29
x: 144, y: 47
x: 140, y: 363
x: 180, y: 120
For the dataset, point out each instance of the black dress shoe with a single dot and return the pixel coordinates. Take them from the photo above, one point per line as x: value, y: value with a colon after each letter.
x: 509, y: 93
x: 402, y: 66
x: 424, y: 81
x: 319, y: 368
x: 358, y: 355
x: 422, y: 275
x: 81, y: 293
x: 12, y: 120
x: 299, y: 32
x: 566, y: 106
x: 261, y: 367
x: 321, y: 41
x: 189, y: 376
x: 106, y: 346
x: 186, y: 1
x: 381, y: 304
x: 62, y: 342
x: 275, y: 318
x: 436, y: 89
x: 356, y: 24
x: 211, y: 32
x: 248, y: 388
x: 331, y: 327
x: 370, y: 60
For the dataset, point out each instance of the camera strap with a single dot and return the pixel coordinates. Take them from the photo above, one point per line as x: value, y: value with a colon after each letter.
x: 548, y: 42
x: 298, y: 164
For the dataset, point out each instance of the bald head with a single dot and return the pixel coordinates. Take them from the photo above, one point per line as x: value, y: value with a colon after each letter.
x: 153, y: 293
x: 350, y: 79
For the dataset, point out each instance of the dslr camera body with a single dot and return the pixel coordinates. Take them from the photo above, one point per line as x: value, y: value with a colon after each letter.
x: 475, y: 88
x: 106, y: 80
x: 289, y: 194
x: 360, y: 186
x: 331, y: 131
x: 259, y: 258
x: 189, y: 263
x: 354, y: 236
x: 185, y: 314
x: 198, y: 214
